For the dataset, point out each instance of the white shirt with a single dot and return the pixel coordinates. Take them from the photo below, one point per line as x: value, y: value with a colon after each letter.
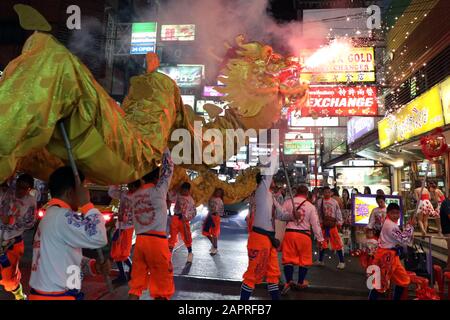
x: 392, y: 236
x: 330, y: 208
x: 57, y: 246
x: 185, y: 206
x: 309, y: 218
x: 264, y: 205
x: 215, y: 206
x: 124, y: 207
x: 149, y: 203
x: 376, y: 218
x: 24, y: 212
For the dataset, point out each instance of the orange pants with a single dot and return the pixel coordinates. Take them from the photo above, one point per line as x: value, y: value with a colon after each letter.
x: 11, y: 275
x: 262, y: 261
x: 121, y: 248
x: 180, y: 226
x: 391, y: 268
x: 213, y: 231
x: 333, y: 237
x: 152, y: 267
x: 296, y: 249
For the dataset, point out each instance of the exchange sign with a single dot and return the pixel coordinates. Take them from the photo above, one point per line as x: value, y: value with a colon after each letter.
x: 143, y: 37
x: 341, y: 101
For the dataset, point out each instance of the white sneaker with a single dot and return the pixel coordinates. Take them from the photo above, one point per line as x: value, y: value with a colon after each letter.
x: 319, y: 263
x: 190, y: 257
x: 341, y: 265
x: 214, y: 251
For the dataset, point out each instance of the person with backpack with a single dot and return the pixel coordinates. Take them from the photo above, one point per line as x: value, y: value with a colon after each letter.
x: 297, y: 244
x: 184, y: 212
x: 331, y: 219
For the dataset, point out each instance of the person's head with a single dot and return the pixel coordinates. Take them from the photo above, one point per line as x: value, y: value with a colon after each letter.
x: 355, y: 191
x: 418, y: 183
x: 380, y: 192
x: 62, y: 185
x: 370, y: 233
x: 367, y: 190
x: 24, y: 184
x: 219, y: 193
x: 393, y: 211
x: 327, y: 192
x: 302, y: 191
x: 381, y: 201
x: 432, y: 185
x: 152, y: 177
x: 345, y: 194
x: 315, y: 191
x: 133, y: 186
x: 335, y: 192
x: 185, y: 189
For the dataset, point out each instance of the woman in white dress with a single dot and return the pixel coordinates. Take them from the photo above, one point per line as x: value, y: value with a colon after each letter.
x: 425, y: 208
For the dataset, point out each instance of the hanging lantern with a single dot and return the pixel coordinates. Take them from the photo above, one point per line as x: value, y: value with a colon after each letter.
x: 434, y: 145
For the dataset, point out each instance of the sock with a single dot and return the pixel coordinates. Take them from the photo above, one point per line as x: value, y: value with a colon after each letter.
x: 288, y: 272
x: 302, y: 271
x: 274, y: 291
x: 321, y: 254
x: 340, y: 255
x: 189, y: 249
x: 246, y: 292
x: 130, y: 265
x: 373, y: 294
x: 398, y: 291
x: 121, y: 270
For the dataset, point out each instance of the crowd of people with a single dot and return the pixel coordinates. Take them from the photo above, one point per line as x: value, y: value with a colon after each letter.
x: 72, y: 223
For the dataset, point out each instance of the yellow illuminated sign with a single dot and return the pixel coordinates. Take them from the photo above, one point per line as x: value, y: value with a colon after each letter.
x: 445, y: 95
x: 339, y: 77
x: 421, y: 115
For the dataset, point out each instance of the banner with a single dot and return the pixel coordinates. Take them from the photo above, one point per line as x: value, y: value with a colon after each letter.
x: 185, y: 76
x: 445, y: 95
x: 143, y: 37
x: 358, y: 65
x: 299, y: 121
x: 298, y: 147
x: 209, y: 91
x: 420, y: 116
x: 359, y: 126
x: 342, y: 101
x: 364, y: 204
x: 178, y: 32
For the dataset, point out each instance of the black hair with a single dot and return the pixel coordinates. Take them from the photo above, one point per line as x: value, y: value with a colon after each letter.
x: 61, y: 180
x: 185, y: 186
x: 302, y: 190
x: 326, y: 188
x: 135, y: 184
x: 258, y: 178
x: 335, y: 192
x: 26, y: 178
x: 152, y: 176
x: 380, y: 197
x: 392, y: 206
x: 367, y: 189
x: 345, y: 191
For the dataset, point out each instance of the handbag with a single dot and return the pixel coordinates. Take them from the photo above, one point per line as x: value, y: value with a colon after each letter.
x: 416, y: 260
x: 328, y: 222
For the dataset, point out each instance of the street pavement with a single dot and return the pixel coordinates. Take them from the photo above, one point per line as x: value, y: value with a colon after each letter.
x: 219, y: 277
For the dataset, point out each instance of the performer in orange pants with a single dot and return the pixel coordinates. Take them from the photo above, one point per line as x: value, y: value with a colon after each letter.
x: 180, y: 226
x: 152, y: 266
x: 11, y: 274
x: 211, y: 225
x: 386, y: 256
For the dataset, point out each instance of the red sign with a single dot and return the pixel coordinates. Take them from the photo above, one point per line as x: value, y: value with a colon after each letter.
x: 341, y: 101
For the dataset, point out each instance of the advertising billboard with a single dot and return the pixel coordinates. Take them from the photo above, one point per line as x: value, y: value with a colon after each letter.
x: 420, y: 116
x: 359, y: 126
x: 298, y: 121
x: 445, y: 95
x: 177, y: 32
x: 357, y: 65
x: 298, y: 147
x: 189, y: 100
x: 341, y: 101
x: 360, y: 177
x: 209, y: 91
x: 143, y: 37
x: 364, y: 204
x: 186, y: 76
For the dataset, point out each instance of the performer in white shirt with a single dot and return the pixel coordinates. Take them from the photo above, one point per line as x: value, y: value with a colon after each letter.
x: 211, y: 225
x: 387, y: 255
x: 184, y: 212
x: 123, y: 236
x: 331, y: 219
x: 297, y: 244
x: 58, y: 263
x: 378, y: 215
x: 17, y: 213
x: 152, y: 265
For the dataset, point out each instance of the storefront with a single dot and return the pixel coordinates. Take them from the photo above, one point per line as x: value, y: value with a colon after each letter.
x: 401, y: 133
